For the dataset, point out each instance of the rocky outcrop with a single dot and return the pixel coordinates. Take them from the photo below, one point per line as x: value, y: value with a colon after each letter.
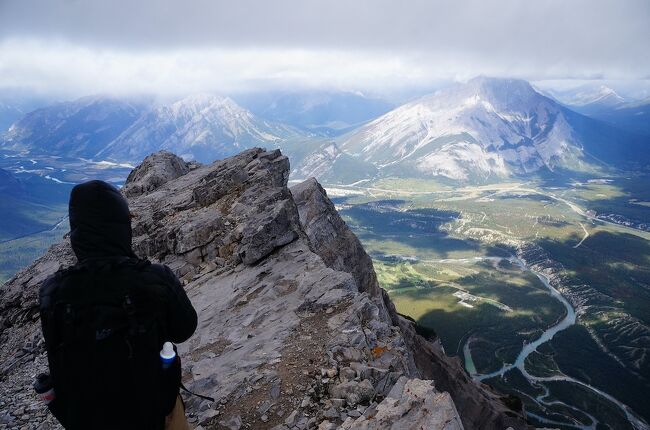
x: 331, y: 238
x: 411, y: 404
x: 294, y: 331
x: 154, y: 171
x: 340, y: 249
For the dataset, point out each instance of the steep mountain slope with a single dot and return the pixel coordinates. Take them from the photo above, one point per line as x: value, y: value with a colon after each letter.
x: 8, y: 114
x: 201, y: 127
x: 484, y: 129
x: 324, y: 160
x: 294, y: 331
x: 79, y: 128
x: 633, y: 117
x: 15, y: 103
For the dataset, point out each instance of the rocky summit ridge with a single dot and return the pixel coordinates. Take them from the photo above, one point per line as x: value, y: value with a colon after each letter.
x: 294, y: 330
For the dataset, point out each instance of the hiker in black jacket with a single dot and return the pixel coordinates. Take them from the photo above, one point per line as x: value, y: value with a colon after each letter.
x: 105, y: 321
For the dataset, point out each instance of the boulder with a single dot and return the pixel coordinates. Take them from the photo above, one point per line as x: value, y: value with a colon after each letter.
x: 154, y: 171
x: 411, y: 404
x: 353, y: 392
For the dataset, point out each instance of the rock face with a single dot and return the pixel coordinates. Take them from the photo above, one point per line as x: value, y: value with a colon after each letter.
x: 340, y: 249
x: 411, y: 404
x: 331, y: 238
x: 154, y: 171
x: 294, y: 331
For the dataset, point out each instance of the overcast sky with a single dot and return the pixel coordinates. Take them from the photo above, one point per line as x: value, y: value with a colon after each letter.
x: 85, y: 46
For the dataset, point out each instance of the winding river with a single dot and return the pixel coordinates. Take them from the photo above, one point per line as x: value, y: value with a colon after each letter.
x: 527, y: 349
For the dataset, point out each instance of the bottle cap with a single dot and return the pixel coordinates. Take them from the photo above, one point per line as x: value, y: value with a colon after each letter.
x: 167, y: 352
x: 42, y: 383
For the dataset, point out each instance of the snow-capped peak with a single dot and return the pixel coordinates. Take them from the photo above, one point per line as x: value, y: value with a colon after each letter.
x: 201, y: 103
x: 200, y: 126
x: 484, y: 127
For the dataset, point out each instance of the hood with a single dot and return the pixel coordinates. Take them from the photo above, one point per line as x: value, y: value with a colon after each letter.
x: 100, y: 221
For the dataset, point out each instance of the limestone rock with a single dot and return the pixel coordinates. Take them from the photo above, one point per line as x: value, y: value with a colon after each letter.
x: 354, y: 392
x: 154, y: 171
x: 411, y: 404
x: 331, y: 238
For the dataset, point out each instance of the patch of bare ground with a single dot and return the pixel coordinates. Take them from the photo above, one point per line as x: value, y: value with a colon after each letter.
x: 210, y: 349
x: 264, y: 405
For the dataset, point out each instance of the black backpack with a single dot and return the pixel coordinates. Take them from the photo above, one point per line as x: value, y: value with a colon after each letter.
x: 103, y: 337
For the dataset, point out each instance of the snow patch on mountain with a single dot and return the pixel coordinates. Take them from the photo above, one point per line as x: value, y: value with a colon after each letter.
x: 318, y: 162
x: 203, y: 127
x: 460, y: 160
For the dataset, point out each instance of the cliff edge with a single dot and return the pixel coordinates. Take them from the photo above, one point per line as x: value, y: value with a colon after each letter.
x: 294, y: 330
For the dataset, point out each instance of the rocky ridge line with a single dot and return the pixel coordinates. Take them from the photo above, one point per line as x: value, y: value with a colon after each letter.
x: 294, y: 330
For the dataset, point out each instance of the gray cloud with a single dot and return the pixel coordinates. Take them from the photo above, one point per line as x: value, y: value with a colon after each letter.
x: 413, y: 40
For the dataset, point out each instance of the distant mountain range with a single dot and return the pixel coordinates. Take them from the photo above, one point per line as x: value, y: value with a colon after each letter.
x: 14, y: 104
x: 327, y: 113
x: 483, y: 130
x: 8, y: 114
x: 79, y: 128
x: 603, y: 103
x: 632, y: 116
x: 199, y: 127
x: 589, y: 99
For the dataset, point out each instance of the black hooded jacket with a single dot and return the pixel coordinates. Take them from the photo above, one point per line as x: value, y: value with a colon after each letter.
x: 100, y: 222
x: 100, y: 235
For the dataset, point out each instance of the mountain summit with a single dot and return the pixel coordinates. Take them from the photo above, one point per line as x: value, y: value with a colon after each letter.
x: 485, y: 128
x: 202, y: 127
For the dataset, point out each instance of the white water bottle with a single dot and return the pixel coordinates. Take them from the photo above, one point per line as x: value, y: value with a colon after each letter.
x: 167, y: 355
